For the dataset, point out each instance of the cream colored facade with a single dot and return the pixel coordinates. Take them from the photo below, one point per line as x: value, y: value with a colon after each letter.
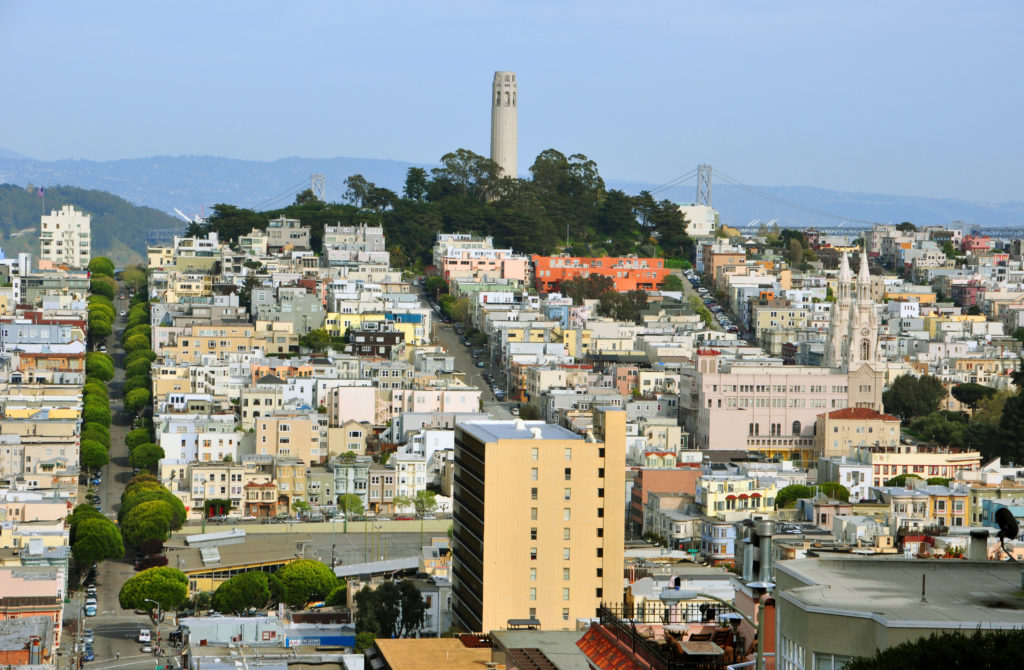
x: 838, y: 433
x: 290, y: 435
x: 65, y: 238
x: 538, y: 522
x: 221, y: 339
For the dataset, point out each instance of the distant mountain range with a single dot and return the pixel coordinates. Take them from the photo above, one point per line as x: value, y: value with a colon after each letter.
x: 191, y: 183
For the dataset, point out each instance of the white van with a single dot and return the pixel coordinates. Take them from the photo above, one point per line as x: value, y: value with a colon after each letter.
x: 145, y: 635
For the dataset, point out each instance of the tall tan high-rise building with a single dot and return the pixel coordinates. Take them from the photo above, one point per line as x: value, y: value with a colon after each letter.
x: 539, y: 520
x: 65, y: 238
x: 505, y: 123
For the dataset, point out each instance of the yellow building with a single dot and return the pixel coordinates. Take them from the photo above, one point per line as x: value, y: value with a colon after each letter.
x: 933, y: 322
x: 337, y: 324
x: 577, y: 341
x: 291, y: 435
x: 158, y: 258
x: 538, y: 522
x: 220, y: 339
x: 732, y: 497
x: 838, y: 432
x: 188, y: 285
x: 911, y: 296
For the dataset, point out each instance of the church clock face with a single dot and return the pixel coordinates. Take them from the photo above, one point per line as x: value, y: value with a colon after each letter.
x: 864, y: 332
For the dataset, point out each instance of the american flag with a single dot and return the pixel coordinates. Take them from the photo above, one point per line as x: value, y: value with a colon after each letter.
x: 39, y: 193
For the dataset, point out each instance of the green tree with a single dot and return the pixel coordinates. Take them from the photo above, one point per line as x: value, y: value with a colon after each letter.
x: 794, y: 253
x: 906, y: 227
x: 301, y: 508
x: 911, y: 396
x: 415, y: 184
x: 167, y: 586
x: 147, y: 489
x: 136, y: 382
x: 306, y: 580
x: 101, y: 266
x: 672, y: 283
x: 99, y: 328
x: 99, y: 365
x: 835, y: 490
x: 435, y: 286
x: 391, y: 610
x: 788, y: 495
x: 242, y: 592
x: 364, y: 641
x: 901, y: 480
x: 93, y: 454
x: 318, y: 340
x: 134, y: 278
x: 148, y: 521
x: 136, y: 437
x: 96, y: 433
x: 146, y: 456
x: 96, y: 539
x: 136, y: 342
x: 104, y: 286
x: 96, y: 415
x: 338, y: 597
x: 136, y: 400
x: 983, y: 650
x: 140, y: 329
x: 147, y: 354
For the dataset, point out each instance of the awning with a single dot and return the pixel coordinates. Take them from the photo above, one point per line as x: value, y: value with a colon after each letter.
x: 743, y: 496
x: 730, y: 497
x: 755, y: 495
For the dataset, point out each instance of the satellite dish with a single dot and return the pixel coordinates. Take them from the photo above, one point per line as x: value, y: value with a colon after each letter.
x: 1008, y: 527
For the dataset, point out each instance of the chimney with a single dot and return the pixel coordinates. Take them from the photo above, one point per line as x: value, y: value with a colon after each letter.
x: 765, y: 530
x: 35, y: 650
x: 977, y: 550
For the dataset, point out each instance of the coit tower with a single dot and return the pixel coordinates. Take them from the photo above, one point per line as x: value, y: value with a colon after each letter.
x: 504, y: 123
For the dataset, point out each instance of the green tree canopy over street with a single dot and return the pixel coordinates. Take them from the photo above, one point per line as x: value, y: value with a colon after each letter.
x: 242, y: 592
x: 96, y: 539
x: 99, y: 365
x: 146, y: 456
x: 167, y: 586
x: 93, y: 454
x: 150, y: 520
x: 100, y: 265
x: 306, y: 580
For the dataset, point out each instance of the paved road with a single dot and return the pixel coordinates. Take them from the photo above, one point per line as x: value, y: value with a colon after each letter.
x: 464, y: 361
x: 113, y: 625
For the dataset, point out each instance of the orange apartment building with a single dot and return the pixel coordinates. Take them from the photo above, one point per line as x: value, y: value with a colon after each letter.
x: 629, y: 273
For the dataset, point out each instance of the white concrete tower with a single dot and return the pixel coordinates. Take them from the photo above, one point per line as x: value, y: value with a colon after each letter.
x: 505, y: 123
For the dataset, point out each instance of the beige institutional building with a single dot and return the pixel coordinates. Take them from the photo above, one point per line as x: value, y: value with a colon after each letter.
x: 65, y: 238
x: 763, y: 405
x: 538, y: 522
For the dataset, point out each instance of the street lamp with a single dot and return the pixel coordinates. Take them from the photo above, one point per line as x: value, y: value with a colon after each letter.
x: 675, y: 595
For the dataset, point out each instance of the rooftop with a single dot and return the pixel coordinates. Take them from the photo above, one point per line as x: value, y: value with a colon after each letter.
x: 959, y: 594
x: 492, y: 431
x: 429, y: 652
x: 860, y: 414
x: 255, y: 550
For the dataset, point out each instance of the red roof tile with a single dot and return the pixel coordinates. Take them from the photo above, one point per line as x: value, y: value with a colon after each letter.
x: 860, y: 414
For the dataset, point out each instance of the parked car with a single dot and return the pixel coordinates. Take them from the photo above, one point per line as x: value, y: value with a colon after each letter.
x: 90, y: 637
x: 481, y: 364
x: 88, y: 655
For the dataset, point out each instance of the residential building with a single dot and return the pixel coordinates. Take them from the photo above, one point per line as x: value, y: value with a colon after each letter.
x: 628, y: 273
x: 65, y: 238
x: 841, y: 431
x: 553, y: 558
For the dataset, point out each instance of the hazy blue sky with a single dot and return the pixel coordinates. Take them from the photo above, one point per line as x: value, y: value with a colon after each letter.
x: 919, y: 98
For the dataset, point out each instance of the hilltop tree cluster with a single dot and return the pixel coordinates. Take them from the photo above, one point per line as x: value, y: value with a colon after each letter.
x: 565, y: 198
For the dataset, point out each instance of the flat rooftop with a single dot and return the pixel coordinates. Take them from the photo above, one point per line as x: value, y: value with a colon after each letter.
x: 492, y: 431
x: 558, y: 646
x: 959, y: 594
x: 431, y: 652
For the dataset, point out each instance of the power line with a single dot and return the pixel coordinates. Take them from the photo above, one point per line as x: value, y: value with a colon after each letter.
x: 289, y: 191
x: 789, y: 203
